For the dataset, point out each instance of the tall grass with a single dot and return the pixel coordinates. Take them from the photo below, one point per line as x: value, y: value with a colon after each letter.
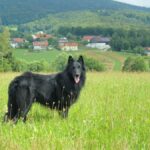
x: 113, y: 112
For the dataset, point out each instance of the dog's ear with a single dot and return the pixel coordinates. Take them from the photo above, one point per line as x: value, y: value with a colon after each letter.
x: 81, y: 59
x: 70, y: 59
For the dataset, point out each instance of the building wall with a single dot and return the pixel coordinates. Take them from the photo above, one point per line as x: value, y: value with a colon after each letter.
x: 70, y: 48
x: 14, y: 45
x: 98, y: 46
x: 39, y: 47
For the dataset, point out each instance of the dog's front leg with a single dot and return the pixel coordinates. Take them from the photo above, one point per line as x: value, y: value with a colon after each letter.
x: 64, y: 113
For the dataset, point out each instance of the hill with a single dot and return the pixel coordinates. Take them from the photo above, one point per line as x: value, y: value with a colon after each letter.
x: 20, y: 11
x: 103, y: 18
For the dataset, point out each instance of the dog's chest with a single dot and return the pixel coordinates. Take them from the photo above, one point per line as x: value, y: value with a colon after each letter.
x: 70, y: 93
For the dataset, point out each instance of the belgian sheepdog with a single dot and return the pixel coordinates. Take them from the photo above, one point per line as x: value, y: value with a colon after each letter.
x: 56, y: 91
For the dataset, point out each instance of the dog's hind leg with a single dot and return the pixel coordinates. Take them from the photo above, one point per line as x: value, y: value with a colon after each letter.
x: 12, y: 105
x: 22, y: 100
x: 29, y: 100
x: 25, y: 112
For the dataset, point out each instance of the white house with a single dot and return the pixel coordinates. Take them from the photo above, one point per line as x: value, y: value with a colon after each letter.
x: 87, y: 38
x: 17, y: 42
x: 62, y: 41
x: 99, y: 42
x: 41, y: 35
x: 101, y: 46
x: 40, y: 45
x: 69, y: 46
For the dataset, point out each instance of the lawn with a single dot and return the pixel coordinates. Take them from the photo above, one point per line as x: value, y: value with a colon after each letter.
x: 112, y: 113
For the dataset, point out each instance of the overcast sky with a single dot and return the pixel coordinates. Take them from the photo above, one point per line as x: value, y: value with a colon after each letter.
x: 145, y: 3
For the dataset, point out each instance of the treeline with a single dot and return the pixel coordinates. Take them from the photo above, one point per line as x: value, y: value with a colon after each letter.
x: 121, y: 39
x: 131, y: 40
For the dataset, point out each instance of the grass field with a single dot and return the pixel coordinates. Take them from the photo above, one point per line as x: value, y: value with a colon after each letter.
x: 112, y: 60
x: 26, y: 55
x: 112, y: 113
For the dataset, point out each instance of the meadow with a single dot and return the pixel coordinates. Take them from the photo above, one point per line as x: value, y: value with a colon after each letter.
x: 112, y: 113
x: 112, y: 60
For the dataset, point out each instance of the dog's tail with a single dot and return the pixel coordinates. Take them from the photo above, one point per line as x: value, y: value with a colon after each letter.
x: 12, y: 104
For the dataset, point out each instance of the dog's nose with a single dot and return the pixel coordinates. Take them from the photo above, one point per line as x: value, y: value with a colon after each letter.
x: 77, y: 75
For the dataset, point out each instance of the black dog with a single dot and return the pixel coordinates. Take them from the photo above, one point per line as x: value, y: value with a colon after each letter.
x: 57, y: 91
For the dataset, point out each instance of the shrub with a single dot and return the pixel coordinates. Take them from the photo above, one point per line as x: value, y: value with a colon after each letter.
x: 35, y: 66
x: 91, y: 64
x: 5, y: 65
x: 60, y: 62
x: 38, y: 66
x: 136, y: 64
x: 19, y: 66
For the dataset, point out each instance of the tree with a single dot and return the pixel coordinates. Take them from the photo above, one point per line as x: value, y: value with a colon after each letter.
x: 138, y: 50
x: 53, y: 42
x: 4, y: 41
x: 6, y: 58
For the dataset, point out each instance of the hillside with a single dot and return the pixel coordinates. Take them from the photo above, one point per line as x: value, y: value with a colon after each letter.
x: 20, y: 11
x: 102, y: 18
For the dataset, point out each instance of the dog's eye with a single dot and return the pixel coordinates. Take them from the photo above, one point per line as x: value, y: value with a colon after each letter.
x: 78, y: 67
x: 73, y: 67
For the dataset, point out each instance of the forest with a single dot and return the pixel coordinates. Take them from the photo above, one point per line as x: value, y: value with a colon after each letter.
x: 20, y: 11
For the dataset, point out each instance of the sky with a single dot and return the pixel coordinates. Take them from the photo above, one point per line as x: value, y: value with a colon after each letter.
x: 145, y: 3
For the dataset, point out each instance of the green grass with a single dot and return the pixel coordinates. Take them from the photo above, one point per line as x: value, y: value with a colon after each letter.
x: 112, y: 113
x: 112, y: 60
x: 26, y: 55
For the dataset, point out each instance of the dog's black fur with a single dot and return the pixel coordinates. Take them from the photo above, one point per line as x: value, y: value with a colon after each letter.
x: 58, y: 91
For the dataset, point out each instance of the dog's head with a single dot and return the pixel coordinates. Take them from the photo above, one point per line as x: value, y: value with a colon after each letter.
x: 76, y: 68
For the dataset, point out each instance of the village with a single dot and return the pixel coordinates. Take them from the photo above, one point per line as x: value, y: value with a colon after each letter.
x: 43, y: 41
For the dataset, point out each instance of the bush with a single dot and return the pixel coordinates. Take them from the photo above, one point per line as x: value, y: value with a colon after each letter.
x: 136, y: 64
x: 91, y: 64
x: 5, y: 65
x: 60, y: 62
x: 10, y: 64
x: 19, y: 66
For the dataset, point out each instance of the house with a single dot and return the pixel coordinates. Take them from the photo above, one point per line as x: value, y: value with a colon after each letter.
x: 87, y: 38
x: 40, y: 45
x: 17, y: 42
x: 147, y: 51
x: 69, y: 46
x: 99, y: 42
x: 41, y: 36
x: 100, y: 39
x: 62, y: 41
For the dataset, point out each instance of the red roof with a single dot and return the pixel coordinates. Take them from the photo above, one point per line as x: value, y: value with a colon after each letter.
x: 48, y: 36
x: 18, y: 40
x: 41, y: 43
x: 70, y: 44
x: 147, y: 48
x: 45, y: 36
x: 87, y: 38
